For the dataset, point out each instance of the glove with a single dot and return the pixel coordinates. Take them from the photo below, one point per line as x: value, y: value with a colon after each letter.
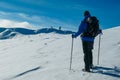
x: 100, y: 31
x: 73, y: 36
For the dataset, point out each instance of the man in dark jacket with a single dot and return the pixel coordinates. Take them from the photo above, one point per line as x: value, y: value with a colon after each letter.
x: 87, y: 42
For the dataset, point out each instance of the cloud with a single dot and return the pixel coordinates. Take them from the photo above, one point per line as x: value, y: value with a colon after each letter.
x: 10, y: 19
x: 13, y: 24
x: 42, y: 14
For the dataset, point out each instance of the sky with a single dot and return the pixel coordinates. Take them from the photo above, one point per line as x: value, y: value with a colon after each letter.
x: 65, y: 13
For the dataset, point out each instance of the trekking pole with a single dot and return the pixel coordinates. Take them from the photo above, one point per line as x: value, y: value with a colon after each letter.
x: 71, y: 53
x: 99, y: 49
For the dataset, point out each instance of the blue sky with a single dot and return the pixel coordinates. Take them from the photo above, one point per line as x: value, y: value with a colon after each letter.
x: 65, y: 13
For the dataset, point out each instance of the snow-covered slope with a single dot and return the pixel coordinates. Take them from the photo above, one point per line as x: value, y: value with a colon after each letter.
x: 46, y: 56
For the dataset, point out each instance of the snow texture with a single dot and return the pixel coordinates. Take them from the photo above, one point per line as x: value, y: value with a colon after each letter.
x: 46, y: 55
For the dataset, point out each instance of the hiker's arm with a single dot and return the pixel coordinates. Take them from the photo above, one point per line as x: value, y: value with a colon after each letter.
x: 80, y: 30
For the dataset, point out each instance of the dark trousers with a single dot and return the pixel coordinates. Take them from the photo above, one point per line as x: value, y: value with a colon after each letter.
x: 88, y: 57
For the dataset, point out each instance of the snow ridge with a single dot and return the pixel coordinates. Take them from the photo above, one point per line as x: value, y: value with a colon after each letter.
x: 6, y: 33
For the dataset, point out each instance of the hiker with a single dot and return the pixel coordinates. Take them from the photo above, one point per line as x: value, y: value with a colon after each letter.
x: 60, y: 28
x: 87, y: 41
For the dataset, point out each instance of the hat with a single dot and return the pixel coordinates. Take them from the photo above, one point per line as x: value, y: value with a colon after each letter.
x: 86, y: 13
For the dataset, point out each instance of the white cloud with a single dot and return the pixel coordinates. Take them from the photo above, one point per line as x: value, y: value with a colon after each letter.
x: 8, y: 19
x: 12, y: 24
x: 32, y: 18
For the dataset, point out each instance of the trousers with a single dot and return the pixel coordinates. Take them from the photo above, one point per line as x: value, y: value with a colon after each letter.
x: 88, y: 57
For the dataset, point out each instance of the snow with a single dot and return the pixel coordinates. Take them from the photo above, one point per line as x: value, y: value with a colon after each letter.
x: 46, y: 56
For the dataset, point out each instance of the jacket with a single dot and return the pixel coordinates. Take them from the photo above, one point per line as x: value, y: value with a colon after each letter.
x: 82, y: 28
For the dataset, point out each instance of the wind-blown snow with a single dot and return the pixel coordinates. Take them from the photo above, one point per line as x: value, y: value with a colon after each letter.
x: 46, y: 56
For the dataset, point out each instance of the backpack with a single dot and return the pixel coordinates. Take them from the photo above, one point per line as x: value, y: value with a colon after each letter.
x: 92, y: 29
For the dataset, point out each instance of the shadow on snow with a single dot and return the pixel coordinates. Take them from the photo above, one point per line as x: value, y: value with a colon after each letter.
x: 114, y: 72
x: 26, y: 72
x: 23, y: 73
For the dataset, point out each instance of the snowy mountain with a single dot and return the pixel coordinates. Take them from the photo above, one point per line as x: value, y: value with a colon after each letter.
x: 6, y: 33
x: 45, y: 55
